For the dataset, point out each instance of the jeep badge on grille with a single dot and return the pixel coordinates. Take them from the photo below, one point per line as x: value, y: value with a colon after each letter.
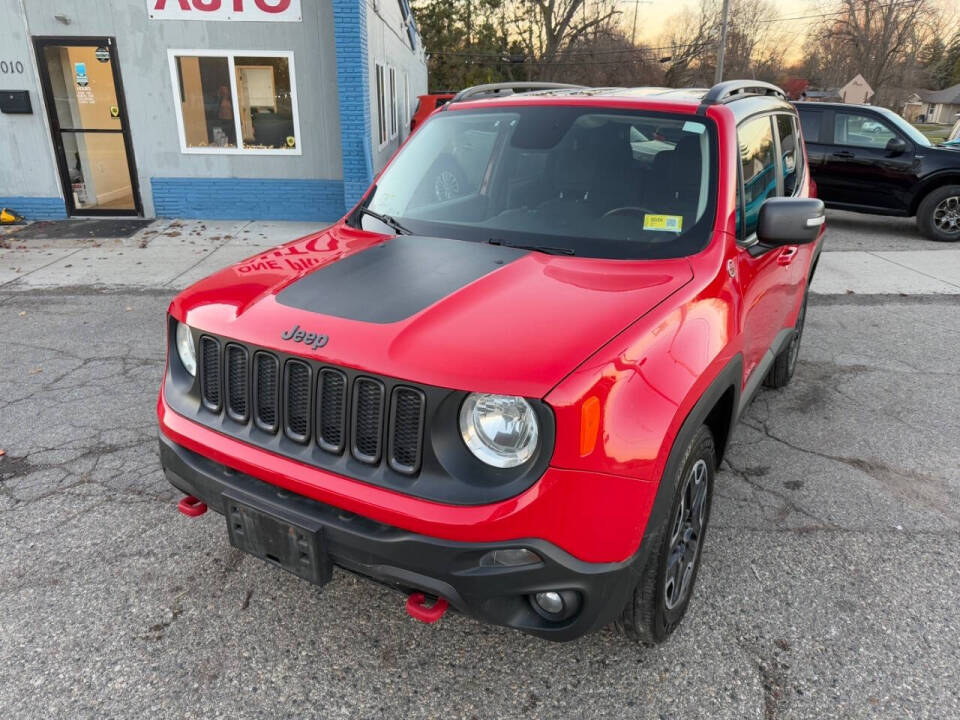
x: 295, y: 334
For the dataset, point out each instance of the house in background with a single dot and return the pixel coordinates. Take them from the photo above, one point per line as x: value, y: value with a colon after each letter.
x: 857, y: 91
x: 933, y: 106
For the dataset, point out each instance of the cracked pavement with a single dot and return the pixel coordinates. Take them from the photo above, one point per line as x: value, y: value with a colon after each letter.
x: 828, y: 589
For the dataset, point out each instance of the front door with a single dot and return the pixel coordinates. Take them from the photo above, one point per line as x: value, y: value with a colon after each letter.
x: 858, y: 168
x: 88, y: 120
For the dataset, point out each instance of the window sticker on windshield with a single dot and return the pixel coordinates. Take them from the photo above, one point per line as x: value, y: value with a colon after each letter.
x: 667, y: 223
x: 694, y: 127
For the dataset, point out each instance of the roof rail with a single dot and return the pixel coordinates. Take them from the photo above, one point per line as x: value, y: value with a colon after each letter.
x: 735, y: 89
x: 508, y: 88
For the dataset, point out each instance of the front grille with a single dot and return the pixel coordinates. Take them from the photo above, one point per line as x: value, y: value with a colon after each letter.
x: 367, y: 419
x: 237, y: 383
x: 296, y: 393
x: 324, y: 409
x: 331, y: 410
x: 266, y: 371
x: 210, y: 372
x: 406, y: 429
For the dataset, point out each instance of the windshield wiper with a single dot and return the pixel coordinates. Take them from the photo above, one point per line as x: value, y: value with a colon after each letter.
x: 386, y: 220
x: 536, y: 248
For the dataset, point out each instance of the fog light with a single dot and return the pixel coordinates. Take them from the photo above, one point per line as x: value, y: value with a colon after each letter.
x: 556, y: 605
x: 549, y: 602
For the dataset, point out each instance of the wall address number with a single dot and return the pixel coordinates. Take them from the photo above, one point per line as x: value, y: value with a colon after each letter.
x: 10, y: 67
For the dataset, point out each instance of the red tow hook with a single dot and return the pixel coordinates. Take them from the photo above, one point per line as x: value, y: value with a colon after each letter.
x: 419, y: 610
x: 191, y: 506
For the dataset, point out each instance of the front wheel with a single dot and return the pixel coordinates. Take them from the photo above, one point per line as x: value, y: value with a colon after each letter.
x: 938, y: 216
x: 663, y: 593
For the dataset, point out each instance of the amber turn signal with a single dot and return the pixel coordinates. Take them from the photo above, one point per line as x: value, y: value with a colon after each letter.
x: 589, y: 424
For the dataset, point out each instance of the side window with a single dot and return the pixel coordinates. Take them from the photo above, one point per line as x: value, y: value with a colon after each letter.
x: 810, y: 122
x: 758, y: 167
x: 791, y: 155
x: 864, y: 131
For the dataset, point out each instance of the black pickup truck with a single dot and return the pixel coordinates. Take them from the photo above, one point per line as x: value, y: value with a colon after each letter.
x: 869, y: 159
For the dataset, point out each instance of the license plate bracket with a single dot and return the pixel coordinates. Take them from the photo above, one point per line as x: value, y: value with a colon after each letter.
x: 294, y: 547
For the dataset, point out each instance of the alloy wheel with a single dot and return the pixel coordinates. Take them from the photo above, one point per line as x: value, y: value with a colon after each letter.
x: 686, y: 535
x: 946, y: 215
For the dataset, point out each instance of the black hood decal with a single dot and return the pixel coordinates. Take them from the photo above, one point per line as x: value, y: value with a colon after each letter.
x: 390, y: 282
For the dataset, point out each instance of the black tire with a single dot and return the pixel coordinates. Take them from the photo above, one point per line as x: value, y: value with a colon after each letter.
x: 657, y: 607
x: 784, y: 365
x: 938, y: 216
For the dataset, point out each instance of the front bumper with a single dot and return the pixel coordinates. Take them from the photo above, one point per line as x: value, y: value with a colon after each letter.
x: 409, y: 561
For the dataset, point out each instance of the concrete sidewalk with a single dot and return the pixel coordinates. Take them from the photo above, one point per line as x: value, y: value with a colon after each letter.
x: 167, y: 253
x: 175, y: 253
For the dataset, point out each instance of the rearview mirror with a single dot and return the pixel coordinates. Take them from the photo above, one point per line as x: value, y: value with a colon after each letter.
x: 896, y: 146
x: 790, y: 221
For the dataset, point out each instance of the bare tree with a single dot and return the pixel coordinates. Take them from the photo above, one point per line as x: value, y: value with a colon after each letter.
x: 756, y: 46
x: 876, y: 38
x: 548, y: 27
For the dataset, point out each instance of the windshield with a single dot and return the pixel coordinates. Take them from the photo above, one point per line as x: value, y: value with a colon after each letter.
x: 584, y: 180
x: 906, y: 128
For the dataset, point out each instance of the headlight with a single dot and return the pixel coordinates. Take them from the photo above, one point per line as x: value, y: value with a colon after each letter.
x: 501, y: 430
x: 185, y: 348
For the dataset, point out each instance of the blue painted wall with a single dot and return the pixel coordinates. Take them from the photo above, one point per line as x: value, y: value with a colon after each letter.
x: 353, y: 90
x: 247, y: 198
x: 36, y: 208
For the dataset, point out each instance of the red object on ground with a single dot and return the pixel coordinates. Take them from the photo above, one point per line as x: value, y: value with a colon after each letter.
x: 191, y: 506
x: 419, y: 610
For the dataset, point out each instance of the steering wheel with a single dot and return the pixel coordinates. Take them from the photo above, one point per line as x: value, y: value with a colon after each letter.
x: 625, y: 210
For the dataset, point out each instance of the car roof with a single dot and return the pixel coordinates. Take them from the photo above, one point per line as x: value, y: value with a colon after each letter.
x: 813, y: 105
x: 688, y: 100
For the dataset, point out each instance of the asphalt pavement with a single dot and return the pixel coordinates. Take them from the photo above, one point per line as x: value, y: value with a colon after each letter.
x: 829, y: 585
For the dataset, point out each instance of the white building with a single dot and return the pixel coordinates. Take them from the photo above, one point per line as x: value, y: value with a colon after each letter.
x: 279, y: 109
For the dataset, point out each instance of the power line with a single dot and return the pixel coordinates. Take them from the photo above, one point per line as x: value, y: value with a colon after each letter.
x: 833, y: 14
x: 640, y: 48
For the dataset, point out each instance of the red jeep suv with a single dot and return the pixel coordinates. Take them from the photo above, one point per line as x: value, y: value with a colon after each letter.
x: 512, y: 399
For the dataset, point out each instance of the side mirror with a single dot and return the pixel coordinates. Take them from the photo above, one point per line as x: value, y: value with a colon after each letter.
x: 896, y: 146
x: 790, y: 221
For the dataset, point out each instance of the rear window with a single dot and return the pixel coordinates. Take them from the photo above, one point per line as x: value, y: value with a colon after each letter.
x: 790, y: 153
x: 600, y: 182
x: 757, y: 163
x: 810, y: 122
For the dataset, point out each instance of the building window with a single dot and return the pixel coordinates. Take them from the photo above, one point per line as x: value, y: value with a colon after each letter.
x: 381, y: 104
x: 406, y: 101
x: 235, y: 102
x: 394, y: 110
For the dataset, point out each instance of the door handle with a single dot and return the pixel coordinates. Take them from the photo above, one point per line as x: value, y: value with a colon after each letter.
x: 845, y: 154
x: 787, y: 255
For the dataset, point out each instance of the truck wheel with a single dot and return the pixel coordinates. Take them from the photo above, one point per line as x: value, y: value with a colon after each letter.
x: 938, y: 216
x: 666, y: 583
x: 785, y: 363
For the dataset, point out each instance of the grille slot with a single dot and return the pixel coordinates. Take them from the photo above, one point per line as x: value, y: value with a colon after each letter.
x: 331, y: 410
x: 407, y: 409
x: 296, y: 393
x: 367, y: 420
x: 265, y: 381
x: 238, y: 392
x: 210, y: 373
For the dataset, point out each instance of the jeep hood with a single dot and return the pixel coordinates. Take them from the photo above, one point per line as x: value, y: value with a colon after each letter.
x: 442, y: 312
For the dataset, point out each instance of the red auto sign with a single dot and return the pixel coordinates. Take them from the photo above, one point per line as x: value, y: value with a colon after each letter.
x: 253, y: 10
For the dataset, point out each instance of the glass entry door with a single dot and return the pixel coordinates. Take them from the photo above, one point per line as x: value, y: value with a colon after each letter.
x: 85, y: 104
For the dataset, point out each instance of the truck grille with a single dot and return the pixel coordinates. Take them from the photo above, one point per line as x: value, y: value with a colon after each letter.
x: 315, y: 405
